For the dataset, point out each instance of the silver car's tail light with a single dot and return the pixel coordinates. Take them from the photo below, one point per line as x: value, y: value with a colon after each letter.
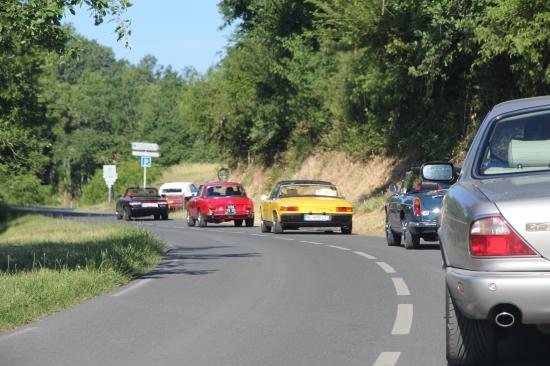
x: 492, y: 237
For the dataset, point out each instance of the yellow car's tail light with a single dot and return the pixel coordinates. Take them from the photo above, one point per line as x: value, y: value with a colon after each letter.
x: 344, y: 209
x: 289, y: 208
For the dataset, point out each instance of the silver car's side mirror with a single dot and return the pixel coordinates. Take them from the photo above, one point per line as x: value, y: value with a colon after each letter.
x: 393, y: 188
x: 264, y: 197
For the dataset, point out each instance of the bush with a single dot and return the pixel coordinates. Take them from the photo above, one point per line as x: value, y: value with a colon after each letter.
x: 25, y: 190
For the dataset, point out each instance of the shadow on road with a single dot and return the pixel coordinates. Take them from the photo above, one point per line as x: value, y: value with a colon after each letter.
x: 526, y: 347
x: 177, y: 260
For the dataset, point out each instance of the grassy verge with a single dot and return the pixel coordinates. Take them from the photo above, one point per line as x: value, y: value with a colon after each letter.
x: 48, y: 264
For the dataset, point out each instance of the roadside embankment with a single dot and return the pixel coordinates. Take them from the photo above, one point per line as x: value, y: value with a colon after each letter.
x: 47, y: 264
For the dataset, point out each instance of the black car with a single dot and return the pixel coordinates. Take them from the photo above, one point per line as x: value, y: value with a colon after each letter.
x: 140, y: 202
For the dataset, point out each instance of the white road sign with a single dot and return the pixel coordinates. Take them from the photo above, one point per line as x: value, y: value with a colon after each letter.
x: 109, y: 174
x: 144, y: 146
x: 151, y: 154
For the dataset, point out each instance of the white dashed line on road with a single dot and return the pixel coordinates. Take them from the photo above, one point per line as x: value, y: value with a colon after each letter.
x: 18, y: 333
x: 215, y: 230
x: 387, y: 359
x: 234, y: 232
x: 403, y: 319
x: 311, y: 242
x: 281, y: 238
x: 179, y: 227
x: 258, y: 235
x: 386, y: 267
x: 401, y: 287
x: 132, y: 287
x: 365, y: 255
x: 337, y: 247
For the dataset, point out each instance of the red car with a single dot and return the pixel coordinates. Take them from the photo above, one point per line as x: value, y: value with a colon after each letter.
x: 220, y: 202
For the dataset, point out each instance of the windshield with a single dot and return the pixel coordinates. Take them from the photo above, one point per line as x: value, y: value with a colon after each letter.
x: 315, y: 190
x: 518, y: 144
x: 225, y: 191
x: 140, y: 192
x: 171, y: 190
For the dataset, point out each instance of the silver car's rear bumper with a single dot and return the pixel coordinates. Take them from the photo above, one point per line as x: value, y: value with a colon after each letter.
x: 481, y: 291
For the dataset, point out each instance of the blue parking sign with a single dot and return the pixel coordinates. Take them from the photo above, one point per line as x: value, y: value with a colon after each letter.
x: 146, y: 161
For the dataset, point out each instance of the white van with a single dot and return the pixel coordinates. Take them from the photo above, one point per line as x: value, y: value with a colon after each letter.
x: 177, y: 193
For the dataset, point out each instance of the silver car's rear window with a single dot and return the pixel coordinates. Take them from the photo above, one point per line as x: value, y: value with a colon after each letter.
x: 517, y: 144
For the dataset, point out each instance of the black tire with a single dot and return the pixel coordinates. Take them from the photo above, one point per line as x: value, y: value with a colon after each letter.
x: 264, y: 227
x: 238, y: 223
x: 346, y: 230
x: 190, y: 220
x: 156, y: 216
x: 411, y: 240
x: 201, y: 221
x: 164, y: 216
x: 392, y: 238
x: 469, y: 341
x: 249, y: 222
x: 127, y: 215
x: 277, y: 226
x: 118, y: 216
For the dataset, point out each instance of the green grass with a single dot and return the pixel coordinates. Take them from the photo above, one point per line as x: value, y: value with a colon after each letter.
x: 48, y: 264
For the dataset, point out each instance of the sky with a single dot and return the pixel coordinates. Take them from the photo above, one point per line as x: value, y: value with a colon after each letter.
x: 180, y: 33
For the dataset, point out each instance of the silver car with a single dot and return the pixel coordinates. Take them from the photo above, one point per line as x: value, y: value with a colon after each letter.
x: 495, y: 233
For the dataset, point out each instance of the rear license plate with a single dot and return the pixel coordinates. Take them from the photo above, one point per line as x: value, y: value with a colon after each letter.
x: 230, y: 210
x: 316, y: 217
x: 149, y: 204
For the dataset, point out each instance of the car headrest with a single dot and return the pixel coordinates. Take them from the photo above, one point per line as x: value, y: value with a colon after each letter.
x: 291, y: 192
x: 534, y: 153
x: 429, y: 186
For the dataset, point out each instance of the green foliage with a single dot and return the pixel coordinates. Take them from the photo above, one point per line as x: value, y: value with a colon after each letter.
x: 408, y: 78
x: 26, y: 190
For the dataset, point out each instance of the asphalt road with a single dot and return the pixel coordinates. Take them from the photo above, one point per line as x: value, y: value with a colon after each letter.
x: 233, y: 296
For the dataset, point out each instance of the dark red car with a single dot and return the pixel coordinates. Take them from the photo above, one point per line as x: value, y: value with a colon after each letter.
x: 220, y: 202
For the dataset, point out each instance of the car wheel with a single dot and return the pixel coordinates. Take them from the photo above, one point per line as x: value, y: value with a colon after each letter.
x: 277, y: 225
x: 164, y: 216
x: 391, y: 237
x: 190, y: 220
x: 411, y: 240
x: 469, y: 341
x: 127, y: 215
x: 264, y: 227
x: 118, y: 216
x: 249, y: 222
x: 156, y: 216
x: 238, y: 223
x: 347, y: 229
x: 201, y: 221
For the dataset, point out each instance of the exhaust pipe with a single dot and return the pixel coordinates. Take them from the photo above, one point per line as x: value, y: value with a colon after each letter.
x: 505, y: 320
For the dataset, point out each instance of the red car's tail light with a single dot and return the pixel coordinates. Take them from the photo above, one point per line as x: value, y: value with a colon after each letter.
x: 344, y: 209
x: 289, y: 208
x: 492, y: 237
x: 416, y: 207
x: 135, y: 203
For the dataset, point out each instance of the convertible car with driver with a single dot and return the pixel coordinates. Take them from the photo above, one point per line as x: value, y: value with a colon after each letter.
x: 495, y: 235
x: 412, y: 212
x: 305, y: 203
x: 220, y: 202
x: 140, y: 202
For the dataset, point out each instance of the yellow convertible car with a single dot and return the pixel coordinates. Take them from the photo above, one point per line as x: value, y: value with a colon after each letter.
x: 305, y: 203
